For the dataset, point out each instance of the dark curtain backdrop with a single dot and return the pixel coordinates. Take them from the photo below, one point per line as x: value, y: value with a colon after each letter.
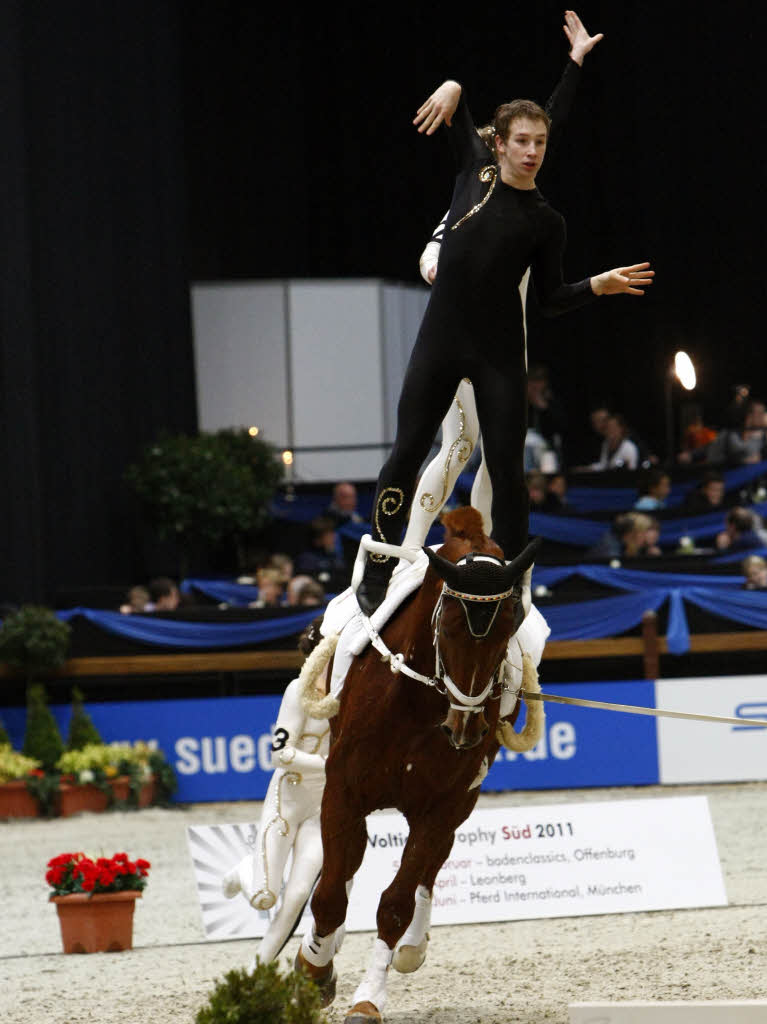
x: 95, y: 353
x: 148, y: 143
x: 302, y: 160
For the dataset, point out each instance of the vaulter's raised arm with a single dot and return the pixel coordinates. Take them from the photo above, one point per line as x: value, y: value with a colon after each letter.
x: 559, y: 104
x: 447, y: 105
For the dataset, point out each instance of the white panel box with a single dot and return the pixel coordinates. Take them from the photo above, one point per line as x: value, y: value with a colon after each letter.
x: 708, y: 751
x: 741, y: 1011
x: 241, y: 357
x: 316, y: 365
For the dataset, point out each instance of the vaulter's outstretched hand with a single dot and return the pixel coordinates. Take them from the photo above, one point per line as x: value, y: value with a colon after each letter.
x: 439, y: 107
x: 623, y: 280
x: 578, y: 37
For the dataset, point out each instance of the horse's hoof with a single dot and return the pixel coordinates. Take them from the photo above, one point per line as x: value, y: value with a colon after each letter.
x: 324, y: 978
x: 407, y: 959
x: 363, y: 1013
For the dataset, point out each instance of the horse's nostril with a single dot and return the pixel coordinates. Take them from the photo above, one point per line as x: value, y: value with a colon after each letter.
x: 447, y: 730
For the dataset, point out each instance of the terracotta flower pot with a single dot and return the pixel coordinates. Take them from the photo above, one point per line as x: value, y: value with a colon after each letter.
x: 121, y: 787
x: 98, y: 923
x: 16, y: 801
x: 147, y: 793
x: 79, y: 797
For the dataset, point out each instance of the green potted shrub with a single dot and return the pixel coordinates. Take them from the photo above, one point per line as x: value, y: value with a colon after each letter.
x: 264, y: 996
x: 42, y: 741
x: 82, y: 731
x: 202, y: 490
x: 34, y: 641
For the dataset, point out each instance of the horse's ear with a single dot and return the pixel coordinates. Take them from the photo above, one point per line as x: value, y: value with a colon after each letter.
x: 521, y: 563
x: 447, y: 571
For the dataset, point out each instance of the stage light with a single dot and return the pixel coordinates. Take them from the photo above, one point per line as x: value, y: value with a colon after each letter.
x: 253, y: 431
x: 684, y: 370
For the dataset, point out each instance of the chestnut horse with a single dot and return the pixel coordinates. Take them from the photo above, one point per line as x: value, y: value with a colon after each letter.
x: 418, y: 746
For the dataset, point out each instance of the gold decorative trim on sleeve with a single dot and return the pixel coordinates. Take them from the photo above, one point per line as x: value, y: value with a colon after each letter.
x: 462, y: 446
x: 489, y: 173
x: 389, y: 502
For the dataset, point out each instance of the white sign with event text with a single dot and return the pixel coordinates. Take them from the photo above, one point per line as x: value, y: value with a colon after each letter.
x: 512, y: 863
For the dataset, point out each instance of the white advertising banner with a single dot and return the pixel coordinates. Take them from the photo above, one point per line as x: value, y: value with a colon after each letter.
x: 708, y: 751
x: 511, y: 863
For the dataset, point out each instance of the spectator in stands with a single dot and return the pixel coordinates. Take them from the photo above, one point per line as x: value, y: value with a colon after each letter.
x: 627, y: 538
x: 136, y: 601
x: 310, y: 595
x: 599, y: 416
x: 556, y: 494
x: 271, y: 589
x: 343, y: 508
x: 282, y: 563
x: 755, y: 570
x: 743, y: 444
x: 742, y: 530
x: 164, y: 595
x: 735, y: 412
x: 618, y: 450
x: 536, y: 488
x: 293, y: 588
x: 708, y: 497
x: 546, y: 419
x: 695, y: 435
x: 325, y: 556
x: 654, y: 488
x: 651, y: 547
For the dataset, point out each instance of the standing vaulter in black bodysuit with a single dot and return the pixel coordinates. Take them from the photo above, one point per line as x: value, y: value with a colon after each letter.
x: 473, y: 328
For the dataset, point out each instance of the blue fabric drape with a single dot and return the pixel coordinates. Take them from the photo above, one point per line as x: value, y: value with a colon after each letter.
x: 738, y: 556
x: 583, y: 620
x: 237, y: 594
x: 587, y: 620
x: 175, y: 633
x: 745, y: 606
x: 630, y: 579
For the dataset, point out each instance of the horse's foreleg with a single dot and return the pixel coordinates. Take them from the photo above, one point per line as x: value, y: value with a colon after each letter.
x: 411, y: 948
x: 395, y: 912
x: 343, y: 855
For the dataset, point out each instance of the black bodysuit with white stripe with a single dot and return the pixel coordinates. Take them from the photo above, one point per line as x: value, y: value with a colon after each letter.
x: 473, y: 328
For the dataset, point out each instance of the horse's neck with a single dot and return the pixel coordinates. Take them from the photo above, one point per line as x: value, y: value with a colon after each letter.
x: 411, y: 632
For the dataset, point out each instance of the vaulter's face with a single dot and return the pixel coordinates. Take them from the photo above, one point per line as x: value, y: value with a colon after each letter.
x: 521, y: 154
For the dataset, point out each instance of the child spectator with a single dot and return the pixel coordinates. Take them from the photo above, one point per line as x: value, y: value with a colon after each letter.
x: 754, y: 568
x: 164, y: 595
x: 742, y: 530
x: 136, y: 601
x: 654, y: 488
x: 708, y: 497
x: 271, y: 589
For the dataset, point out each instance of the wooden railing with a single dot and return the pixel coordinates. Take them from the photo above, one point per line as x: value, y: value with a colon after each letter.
x: 649, y: 646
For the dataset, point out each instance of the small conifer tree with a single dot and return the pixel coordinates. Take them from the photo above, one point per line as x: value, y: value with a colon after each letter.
x: 82, y: 731
x: 263, y: 997
x: 42, y: 739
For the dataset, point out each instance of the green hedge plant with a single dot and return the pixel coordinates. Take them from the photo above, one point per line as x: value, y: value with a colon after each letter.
x: 263, y: 997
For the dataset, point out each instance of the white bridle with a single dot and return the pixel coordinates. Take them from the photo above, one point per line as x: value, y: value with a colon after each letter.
x: 441, y: 681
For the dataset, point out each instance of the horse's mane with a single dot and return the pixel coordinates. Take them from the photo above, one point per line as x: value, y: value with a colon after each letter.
x: 464, y: 532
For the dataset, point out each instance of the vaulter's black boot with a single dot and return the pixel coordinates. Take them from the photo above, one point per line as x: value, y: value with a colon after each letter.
x: 375, y: 581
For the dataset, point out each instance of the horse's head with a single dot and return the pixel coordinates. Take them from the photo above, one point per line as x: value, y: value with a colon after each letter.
x: 479, y: 609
